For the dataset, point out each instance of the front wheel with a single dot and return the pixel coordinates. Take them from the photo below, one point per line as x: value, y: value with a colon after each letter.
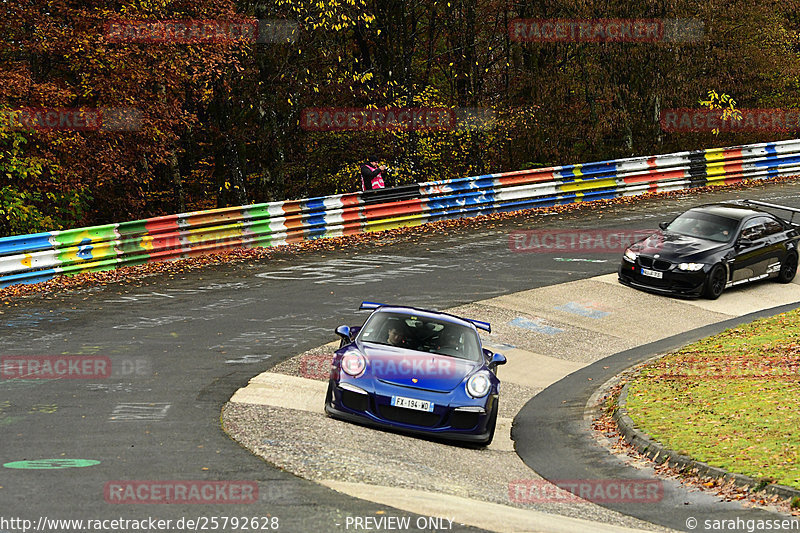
x: 788, y: 268
x: 715, y: 282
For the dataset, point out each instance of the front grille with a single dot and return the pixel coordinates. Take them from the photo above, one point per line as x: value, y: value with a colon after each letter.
x: 409, y: 416
x: 353, y: 400
x: 463, y: 419
x: 661, y: 265
x: 657, y: 264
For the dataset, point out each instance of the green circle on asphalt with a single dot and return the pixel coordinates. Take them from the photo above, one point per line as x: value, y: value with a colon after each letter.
x: 51, y: 464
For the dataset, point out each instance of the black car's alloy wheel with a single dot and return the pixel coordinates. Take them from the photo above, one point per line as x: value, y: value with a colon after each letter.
x: 715, y: 282
x: 788, y: 268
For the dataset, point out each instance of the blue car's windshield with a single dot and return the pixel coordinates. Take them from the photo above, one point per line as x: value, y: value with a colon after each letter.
x: 704, y: 226
x: 422, y: 334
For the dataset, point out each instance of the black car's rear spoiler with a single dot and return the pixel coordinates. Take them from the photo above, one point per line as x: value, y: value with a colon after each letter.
x: 792, y: 210
x: 477, y: 323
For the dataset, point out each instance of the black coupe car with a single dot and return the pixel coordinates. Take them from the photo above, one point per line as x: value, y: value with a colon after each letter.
x: 711, y: 247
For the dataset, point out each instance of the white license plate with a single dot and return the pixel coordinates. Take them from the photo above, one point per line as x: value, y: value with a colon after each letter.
x: 411, y: 403
x: 652, y: 273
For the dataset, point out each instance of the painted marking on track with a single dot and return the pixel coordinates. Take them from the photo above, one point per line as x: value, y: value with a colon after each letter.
x: 248, y: 359
x: 16, y: 384
x: 587, y: 309
x: 139, y: 411
x: 51, y: 464
x: 236, y: 349
x: 579, y: 260
x: 538, y: 325
x: 146, y: 322
x: 35, y: 318
x: 354, y: 271
x: 46, y: 408
x: 123, y: 299
x: 115, y: 387
x: 499, y: 346
x: 8, y: 420
x: 225, y: 303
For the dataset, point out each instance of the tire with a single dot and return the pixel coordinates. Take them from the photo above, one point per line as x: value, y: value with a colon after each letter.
x: 715, y: 282
x: 788, y: 268
x: 492, y: 425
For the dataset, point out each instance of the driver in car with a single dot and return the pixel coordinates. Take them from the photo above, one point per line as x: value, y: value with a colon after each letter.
x: 449, y: 343
x: 398, y: 336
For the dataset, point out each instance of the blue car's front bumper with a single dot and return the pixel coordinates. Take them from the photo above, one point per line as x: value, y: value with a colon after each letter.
x: 445, y: 422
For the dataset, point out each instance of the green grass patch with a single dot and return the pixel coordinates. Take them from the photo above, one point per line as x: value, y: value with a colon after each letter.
x: 731, y: 400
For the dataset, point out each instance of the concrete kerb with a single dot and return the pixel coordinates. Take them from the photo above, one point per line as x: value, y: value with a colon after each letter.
x: 558, y: 415
x: 262, y: 385
x: 660, y: 454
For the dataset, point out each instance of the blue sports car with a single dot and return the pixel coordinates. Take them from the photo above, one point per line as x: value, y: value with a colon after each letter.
x: 416, y: 371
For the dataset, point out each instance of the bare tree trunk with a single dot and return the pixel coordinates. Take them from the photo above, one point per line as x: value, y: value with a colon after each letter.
x: 175, y: 175
x: 232, y: 190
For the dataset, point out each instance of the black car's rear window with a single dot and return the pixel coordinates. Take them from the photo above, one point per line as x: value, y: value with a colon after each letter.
x: 704, y: 226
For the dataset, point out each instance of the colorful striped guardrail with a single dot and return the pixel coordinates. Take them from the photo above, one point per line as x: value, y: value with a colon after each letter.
x: 42, y: 256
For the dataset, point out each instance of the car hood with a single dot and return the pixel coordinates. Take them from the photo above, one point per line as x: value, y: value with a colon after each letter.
x: 421, y: 370
x: 676, y: 247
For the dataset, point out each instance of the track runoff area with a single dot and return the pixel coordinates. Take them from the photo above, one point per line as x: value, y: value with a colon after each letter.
x: 143, y: 439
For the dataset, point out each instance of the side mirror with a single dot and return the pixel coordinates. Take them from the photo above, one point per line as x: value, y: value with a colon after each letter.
x: 663, y: 225
x: 344, y: 333
x: 744, y: 242
x: 497, y: 359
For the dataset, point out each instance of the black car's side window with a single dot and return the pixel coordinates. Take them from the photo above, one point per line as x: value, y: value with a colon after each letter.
x: 772, y: 226
x: 754, y: 229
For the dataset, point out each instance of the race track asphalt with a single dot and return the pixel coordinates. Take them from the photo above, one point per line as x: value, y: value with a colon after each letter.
x: 180, y: 346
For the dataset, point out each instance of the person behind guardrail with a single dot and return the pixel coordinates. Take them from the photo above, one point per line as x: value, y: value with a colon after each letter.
x: 372, y: 175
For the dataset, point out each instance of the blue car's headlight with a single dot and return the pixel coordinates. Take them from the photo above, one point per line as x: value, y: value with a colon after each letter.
x: 630, y: 255
x: 478, y: 385
x: 353, y: 363
x: 691, y: 267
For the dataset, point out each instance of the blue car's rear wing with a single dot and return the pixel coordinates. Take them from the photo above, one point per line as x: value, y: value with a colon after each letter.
x: 371, y: 306
x: 481, y: 325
